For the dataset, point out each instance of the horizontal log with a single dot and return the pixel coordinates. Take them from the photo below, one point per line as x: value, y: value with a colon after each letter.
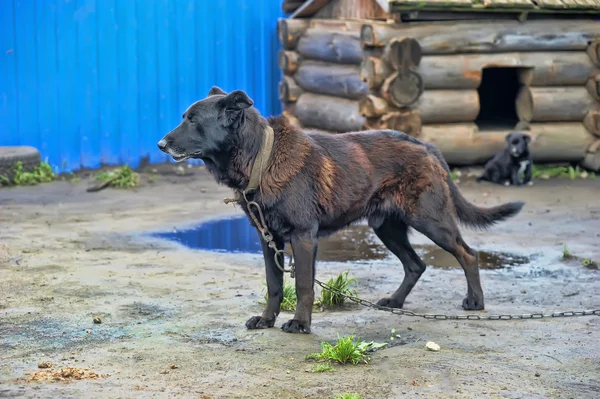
x: 288, y: 61
x: 546, y: 104
x: 332, y: 46
x: 593, y: 51
x: 328, y: 113
x: 591, y: 160
x: 486, y: 37
x: 332, y: 79
x: 464, y: 71
x: 373, y: 72
x: 592, y: 122
x: 289, y: 91
x: 556, y: 69
x: 402, y: 53
x: 448, y: 106
x: 289, y: 31
x: 402, y: 89
x: 593, y: 86
x: 371, y: 106
x: 464, y: 144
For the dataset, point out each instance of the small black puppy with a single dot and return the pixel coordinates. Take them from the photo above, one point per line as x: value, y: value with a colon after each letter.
x: 507, y: 166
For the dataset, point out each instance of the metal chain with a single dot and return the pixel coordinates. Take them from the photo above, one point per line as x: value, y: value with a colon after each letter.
x: 268, y: 237
x: 402, y: 312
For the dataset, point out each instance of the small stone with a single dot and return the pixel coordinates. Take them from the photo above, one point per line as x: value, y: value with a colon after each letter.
x: 44, y: 365
x: 164, y: 372
x: 432, y: 346
x: 174, y: 366
x: 523, y: 292
x: 537, y: 374
x: 97, y: 320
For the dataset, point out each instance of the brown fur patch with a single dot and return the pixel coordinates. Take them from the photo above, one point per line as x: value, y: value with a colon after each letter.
x: 289, y: 153
x: 326, y: 182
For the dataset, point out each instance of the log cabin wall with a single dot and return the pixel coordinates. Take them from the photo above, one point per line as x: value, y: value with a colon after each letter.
x: 428, y: 79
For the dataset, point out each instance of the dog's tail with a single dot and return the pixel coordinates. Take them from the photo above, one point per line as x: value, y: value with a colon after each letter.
x: 472, y: 215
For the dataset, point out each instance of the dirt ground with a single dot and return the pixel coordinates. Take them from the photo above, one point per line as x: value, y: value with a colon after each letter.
x: 67, y: 256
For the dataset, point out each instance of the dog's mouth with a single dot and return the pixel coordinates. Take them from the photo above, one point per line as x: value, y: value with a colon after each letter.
x: 181, y: 158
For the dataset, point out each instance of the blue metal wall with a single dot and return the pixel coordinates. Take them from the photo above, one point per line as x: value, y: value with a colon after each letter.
x: 93, y: 82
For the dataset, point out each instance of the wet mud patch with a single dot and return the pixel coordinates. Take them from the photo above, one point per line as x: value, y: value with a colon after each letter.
x: 140, y: 311
x: 54, y: 334
x: 356, y: 243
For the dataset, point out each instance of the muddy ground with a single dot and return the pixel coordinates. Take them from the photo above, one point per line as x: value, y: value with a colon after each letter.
x: 67, y: 256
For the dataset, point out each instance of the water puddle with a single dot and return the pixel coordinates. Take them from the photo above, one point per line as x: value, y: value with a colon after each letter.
x: 353, y: 244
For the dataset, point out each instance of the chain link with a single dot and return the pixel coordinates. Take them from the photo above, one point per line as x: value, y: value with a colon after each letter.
x: 268, y: 237
x: 402, y: 312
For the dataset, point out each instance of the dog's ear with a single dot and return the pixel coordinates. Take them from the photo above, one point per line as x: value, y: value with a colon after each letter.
x: 216, y: 90
x: 508, y: 137
x: 527, y: 138
x: 232, y: 106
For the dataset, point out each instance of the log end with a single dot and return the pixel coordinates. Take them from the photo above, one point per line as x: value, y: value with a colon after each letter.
x: 282, y: 33
x: 524, y: 104
x: 592, y: 122
x: 289, y: 91
x: 403, y: 89
x: 591, y: 160
x: 593, y: 86
x: 367, y: 36
x: 593, y: 50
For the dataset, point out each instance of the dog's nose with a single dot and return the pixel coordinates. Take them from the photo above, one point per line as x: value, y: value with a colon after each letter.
x: 162, y: 144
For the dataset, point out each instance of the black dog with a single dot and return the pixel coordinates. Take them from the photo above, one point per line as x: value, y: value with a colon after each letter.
x: 507, y: 166
x: 312, y: 184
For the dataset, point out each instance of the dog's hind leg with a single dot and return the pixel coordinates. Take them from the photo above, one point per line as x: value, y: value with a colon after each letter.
x: 442, y: 229
x: 274, y: 289
x: 394, y: 235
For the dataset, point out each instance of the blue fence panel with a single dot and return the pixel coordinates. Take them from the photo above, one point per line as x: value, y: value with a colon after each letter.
x: 93, y: 82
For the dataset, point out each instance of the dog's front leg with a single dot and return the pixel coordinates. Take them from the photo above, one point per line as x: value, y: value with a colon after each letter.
x: 305, y: 252
x: 515, y: 179
x: 528, y: 173
x: 274, y: 288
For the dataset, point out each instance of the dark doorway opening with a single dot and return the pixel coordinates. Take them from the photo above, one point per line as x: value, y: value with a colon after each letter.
x: 497, y: 98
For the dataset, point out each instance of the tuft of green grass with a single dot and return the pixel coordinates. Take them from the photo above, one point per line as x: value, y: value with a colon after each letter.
x: 322, y: 367
x: 348, y: 396
x: 590, y: 264
x: 560, y: 171
x: 345, y: 350
x: 289, y: 297
x: 566, y: 253
x: 40, y: 174
x: 342, y: 283
x: 122, y: 177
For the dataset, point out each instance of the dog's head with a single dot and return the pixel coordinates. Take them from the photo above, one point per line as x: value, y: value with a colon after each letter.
x: 517, y: 143
x: 209, y: 125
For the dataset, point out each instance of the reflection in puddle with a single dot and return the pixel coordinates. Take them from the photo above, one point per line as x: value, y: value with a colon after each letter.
x: 355, y: 243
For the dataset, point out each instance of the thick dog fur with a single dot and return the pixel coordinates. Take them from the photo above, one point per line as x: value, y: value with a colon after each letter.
x: 316, y: 184
x: 506, y: 166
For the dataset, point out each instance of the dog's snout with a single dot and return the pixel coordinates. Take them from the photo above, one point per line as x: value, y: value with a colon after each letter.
x: 162, y: 144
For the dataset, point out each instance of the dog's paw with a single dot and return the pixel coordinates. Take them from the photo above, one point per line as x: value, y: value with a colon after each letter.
x: 471, y: 303
x: 530, y: 183
x: 390, y: 303
x: 256, y: 322
x: 507, y: 183
x: 296, y: 326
